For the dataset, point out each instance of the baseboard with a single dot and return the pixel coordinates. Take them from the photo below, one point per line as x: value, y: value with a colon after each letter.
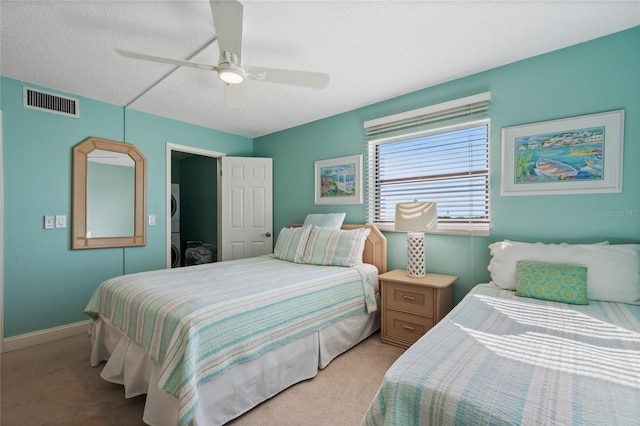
x: 44, y: 336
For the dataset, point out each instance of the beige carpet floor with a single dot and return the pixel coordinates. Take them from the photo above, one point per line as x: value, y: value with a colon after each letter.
x: 53, y: 384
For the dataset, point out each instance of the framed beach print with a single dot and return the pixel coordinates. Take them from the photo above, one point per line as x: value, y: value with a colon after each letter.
x: 339, y: 180
x: 577, y: 155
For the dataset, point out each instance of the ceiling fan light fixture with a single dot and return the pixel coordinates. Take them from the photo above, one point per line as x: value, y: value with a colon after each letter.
x: 227, y: 21
x: 231, y: 74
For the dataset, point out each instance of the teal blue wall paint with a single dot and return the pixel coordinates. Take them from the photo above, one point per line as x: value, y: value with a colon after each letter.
x: 294, y: 152
x: 46, y: 284
x: 150, y: 133
x: 596, y: 76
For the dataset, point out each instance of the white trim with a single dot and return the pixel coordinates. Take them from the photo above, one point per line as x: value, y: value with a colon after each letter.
x: 446, y: 229
x: 193, y: 150
x: 407, y: 115
x: 44, y: 336
x: 190, y: 150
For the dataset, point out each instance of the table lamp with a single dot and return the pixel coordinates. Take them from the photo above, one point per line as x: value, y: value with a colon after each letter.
x: 415, y: 218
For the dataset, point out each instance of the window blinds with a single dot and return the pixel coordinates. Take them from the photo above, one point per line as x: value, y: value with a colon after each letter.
x: 439, y: 153
x: 444, y: 114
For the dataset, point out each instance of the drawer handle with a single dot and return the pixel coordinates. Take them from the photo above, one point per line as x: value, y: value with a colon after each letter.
x: 408, y: 297
x: 406, y: 327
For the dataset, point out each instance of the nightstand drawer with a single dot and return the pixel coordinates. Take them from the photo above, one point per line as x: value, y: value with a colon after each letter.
x: 409, y: 298
x: 403, y: 326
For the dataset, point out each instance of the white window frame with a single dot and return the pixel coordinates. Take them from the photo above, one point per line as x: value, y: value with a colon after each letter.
x: 403, y: 130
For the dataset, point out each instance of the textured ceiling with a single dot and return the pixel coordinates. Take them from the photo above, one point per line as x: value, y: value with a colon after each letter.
x: 373, y: 50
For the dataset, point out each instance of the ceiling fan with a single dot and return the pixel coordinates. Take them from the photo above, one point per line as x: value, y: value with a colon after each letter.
x: 227, y: 21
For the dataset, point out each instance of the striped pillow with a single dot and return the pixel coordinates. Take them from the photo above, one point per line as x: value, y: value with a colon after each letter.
x: 335, y: 247
x: 291, y: 243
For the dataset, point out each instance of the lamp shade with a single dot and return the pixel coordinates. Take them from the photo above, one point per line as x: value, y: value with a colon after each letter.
x: 416, y: 217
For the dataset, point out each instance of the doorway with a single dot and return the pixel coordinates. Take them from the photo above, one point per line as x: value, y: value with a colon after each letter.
x: 195, y: 171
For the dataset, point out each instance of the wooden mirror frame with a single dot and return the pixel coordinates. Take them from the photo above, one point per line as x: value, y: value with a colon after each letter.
x: 81, y: 153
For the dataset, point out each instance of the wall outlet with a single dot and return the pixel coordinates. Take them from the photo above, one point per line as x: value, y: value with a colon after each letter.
x: 48, y: 221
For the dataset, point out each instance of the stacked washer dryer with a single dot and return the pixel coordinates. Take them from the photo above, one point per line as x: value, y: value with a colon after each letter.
x: 176, y: 243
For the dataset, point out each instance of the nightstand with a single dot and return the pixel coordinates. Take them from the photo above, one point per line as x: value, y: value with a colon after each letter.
x: 411, y: 306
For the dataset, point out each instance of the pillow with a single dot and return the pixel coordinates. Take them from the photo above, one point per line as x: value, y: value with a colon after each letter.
x: 552, y: 281
x: 291, y: 243
x: 335, y: 247
x: 327, y: 220
x: 613, y: 270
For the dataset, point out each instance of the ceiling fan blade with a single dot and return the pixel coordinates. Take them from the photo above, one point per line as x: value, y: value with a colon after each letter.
x: 313, y: 80
x: 227, y: 21
x: 163, y: 60
x: 234, y: 95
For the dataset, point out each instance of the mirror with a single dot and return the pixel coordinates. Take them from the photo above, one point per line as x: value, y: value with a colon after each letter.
x: 109, y: 195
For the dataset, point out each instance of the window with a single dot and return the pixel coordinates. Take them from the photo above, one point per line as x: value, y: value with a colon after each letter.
x: 438, y: 154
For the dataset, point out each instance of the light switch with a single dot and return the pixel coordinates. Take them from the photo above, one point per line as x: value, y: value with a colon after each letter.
x: 152, y: 220
x: 48, y: 221
x: 61, y: 221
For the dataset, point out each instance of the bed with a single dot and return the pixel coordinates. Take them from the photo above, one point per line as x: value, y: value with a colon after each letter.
x: 209, y: 342
x: 553, y: 339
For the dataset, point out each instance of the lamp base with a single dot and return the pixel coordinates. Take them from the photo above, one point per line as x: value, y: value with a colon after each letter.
x: 415, y: 255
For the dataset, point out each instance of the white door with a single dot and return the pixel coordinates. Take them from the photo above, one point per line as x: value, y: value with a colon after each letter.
x: 245, y: 207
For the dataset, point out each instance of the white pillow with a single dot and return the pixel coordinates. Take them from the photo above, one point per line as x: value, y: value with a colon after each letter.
x: 326, y: 220
x: 335, y: 247
x: 291, y: 244
x: 613, y: 271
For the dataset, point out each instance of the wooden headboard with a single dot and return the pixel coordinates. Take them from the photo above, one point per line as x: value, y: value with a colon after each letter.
x: 375, y: 248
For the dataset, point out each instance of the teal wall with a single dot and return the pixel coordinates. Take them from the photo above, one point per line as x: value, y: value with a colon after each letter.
x: 596, y: 76
x: 46, y: 284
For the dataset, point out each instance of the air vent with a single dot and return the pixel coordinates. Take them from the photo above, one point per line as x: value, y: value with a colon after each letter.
x: 49, y: 102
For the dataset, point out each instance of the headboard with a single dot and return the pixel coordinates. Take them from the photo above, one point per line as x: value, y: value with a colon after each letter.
x: 375, y: 248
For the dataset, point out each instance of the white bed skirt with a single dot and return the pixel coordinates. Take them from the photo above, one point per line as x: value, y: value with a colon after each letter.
x: 239, y: 389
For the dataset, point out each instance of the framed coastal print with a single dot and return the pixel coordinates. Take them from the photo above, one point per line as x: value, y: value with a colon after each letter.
x: 339, y: 180
x: 577, y: 155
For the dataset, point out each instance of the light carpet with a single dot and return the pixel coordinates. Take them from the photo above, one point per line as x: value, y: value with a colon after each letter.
x: 53, y: 384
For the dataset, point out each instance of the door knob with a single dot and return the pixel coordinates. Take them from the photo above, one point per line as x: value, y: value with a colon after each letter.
x: 268, y: 234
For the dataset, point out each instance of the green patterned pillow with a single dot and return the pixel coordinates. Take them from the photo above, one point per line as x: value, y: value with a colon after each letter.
x: 552, y: 281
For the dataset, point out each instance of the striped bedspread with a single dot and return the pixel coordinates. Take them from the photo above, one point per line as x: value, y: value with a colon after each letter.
x: 498, y: 359
x: 196, y: 322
